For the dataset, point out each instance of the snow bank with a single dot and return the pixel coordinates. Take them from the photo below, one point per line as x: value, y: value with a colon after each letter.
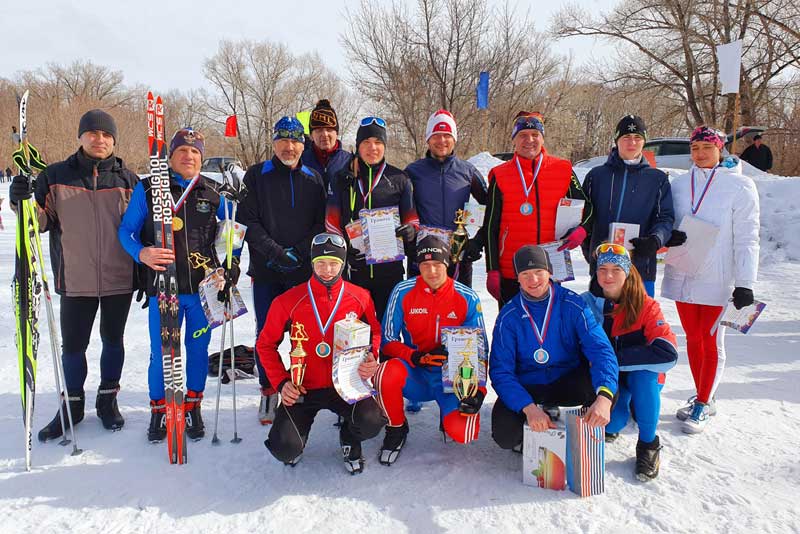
x: 484, y: 162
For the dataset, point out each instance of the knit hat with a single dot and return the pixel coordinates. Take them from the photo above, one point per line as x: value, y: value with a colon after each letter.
x: 289, y: 128
x: 371, y: 127
x: 709, y: 135
x: 323, y: 116
x: 327, y: 246
x: 532, y: 257
x: 97, y: 119
x: 528, y: 120
x: 189, y: 137
x: 431, y: 248
x: 630, y: 124
x: 616, y: 255
x: 441, y: 122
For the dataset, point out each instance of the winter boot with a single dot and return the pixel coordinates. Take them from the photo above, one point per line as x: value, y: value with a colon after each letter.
x: 107, y: 408
x: 611, y: 437
x: 267, y: 406
x: 648, y: 459
x: 393, y: 443
x: 53, y: 429
x: 351, y: 452
x: 157, y: 432
x: 195, y: 429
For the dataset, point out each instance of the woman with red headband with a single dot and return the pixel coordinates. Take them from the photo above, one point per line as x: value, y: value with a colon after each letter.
x: 714, y: 192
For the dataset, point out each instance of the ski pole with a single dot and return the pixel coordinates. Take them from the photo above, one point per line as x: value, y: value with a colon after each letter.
x: 229, y: 259
x: 215, y: 439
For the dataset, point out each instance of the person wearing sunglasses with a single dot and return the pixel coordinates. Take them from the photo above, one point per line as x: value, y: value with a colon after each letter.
x: 369, y: 182
x: 318, y: 304
x: 627, y: 189
x: 547, y: 350
x: 524, y: 194
x: 716, y: 192
x: 283, y: 210
x: 645, y: 345
x: 323, y: 150
x: 443, y: 183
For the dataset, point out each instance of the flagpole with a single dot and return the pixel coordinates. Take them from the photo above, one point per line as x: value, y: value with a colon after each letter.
x: 735, y: 120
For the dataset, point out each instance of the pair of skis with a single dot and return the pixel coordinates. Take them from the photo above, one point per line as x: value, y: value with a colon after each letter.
x: 166, y: 282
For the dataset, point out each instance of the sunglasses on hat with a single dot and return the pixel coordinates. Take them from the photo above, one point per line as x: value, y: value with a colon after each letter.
x: 366, y: 121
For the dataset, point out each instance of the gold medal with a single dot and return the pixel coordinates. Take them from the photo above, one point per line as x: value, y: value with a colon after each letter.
x: 177, y: 224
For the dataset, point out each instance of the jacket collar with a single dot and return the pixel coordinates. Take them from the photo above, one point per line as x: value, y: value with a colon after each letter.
x: 615, y: 161
x: 83, y: 161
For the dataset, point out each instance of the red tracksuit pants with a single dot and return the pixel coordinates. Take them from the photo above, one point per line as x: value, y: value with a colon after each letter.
x: 706, y: 350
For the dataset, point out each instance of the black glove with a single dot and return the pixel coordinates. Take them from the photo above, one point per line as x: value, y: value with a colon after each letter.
x: 742, y: 297
x: 646, y: 246
x: 677, y: 239
x: 288, y: 261
x: 433, y: 358
x: 346, y: 179
x: 473, y: 250
x: 21, y: 188
x: 407, y: 232
x: 231, y: 277
x: 472, y: 405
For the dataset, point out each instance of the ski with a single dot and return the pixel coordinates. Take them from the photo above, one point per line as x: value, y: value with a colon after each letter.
x: 166, y: 282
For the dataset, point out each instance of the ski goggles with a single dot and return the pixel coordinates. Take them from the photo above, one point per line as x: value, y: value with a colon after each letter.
x: 296, y: 135
x: 614, y: 248
x: 366, y: 121
x: 614, y: 254
x: 334, y: 239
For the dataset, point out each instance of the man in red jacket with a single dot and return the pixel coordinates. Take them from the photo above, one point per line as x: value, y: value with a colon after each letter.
x: 317, y: 305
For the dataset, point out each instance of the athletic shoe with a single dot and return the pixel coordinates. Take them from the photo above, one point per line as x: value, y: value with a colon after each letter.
x: 267, y: 407
x: 294, y: 462
x: 517, y: 448
x: 195, y: 429
x: 107, y: 408
x: 683, y: 413
x: 647, y: 459
x: 157, y: 431
x: 698, y: 419
x: 611, y: 437
x: 393, y: 442
x: 53, y: 429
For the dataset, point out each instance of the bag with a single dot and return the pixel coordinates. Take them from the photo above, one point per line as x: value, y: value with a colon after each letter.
x: 585, y: 455
x: 245, y: 361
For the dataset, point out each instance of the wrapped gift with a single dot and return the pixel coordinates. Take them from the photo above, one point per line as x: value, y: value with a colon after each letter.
x: 350, y: 333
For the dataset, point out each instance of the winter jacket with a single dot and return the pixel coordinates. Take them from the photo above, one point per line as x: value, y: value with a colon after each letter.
x: 199, y: 213
x: 349, y: 195
x: 758, y: 157
x: 573, y: 334
x: 442, y: 187
x: 647, y: 345
x: 82, y: 201
x: 294, y: 306
x: 637, y: 194
x: 505, y: 228
x: 416, y: 314
x: 337, y: 161
x: 283, y: 208
x: 731, y: 204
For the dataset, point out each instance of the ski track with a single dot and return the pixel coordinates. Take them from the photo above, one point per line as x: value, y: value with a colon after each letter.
x: 741, y: 475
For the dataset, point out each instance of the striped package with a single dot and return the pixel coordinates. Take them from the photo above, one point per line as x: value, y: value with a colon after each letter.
x: 585, y: 455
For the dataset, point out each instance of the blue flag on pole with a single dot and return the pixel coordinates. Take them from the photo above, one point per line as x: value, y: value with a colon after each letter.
x: 482, y: 91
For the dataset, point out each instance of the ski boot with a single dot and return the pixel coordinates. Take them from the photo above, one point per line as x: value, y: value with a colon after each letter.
x: 393, y: 442
x: 157, y: 432
x: 53, y: 429
x: 107, y: 408
x: 267, y: 406
x: 195, y: 429
x: 648, y: 459
x: 351, y: 452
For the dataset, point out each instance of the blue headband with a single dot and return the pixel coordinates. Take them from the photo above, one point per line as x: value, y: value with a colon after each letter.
x: 624, y: 262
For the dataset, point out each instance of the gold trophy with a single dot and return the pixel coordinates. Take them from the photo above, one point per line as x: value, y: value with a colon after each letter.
x: 297, y: 357
x: 465, y: 384
x: 459, y: 237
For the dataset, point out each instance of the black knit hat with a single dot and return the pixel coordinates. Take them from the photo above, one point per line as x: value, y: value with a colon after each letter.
x: 431, y: 248
x: 371, y: 129
x: 323, y: 116
x: 97, y: 119
x: 630, y: 124
x: 532, y: 257
x: 328, y: 246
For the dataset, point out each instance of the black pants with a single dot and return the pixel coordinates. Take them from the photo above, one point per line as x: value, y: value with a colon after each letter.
x: 379, y: 287
x: 289, y: 433
x: 77, y: 320
x: 572, y: 389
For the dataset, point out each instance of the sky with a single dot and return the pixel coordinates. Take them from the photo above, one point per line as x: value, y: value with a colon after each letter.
x: 163, y: 44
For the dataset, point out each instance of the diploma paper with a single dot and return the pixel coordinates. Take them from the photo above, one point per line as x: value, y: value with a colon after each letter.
x: 213, y: 309
x: 381, y: 243
x: 622, y: 233
x: 568, y: 215
x: 220, y: 241
x: 356, y: 235
x: 460, y: 341
x: 474, y: 213
x: 442, y: 234
x: 346, y: 380
x: 741, y: 320
x: 690, y: 257
x: 561, y: 261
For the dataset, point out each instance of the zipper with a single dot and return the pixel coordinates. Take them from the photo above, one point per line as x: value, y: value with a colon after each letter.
x: 503, y: 241
x: 444, y: 197
x: 97, y: 230
x: 436, y: 333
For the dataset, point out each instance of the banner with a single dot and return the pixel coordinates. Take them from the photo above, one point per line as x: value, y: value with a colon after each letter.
x: 729, y: 57
x: 482, y: 91
x: 304, y: 117
x: 231, y: 126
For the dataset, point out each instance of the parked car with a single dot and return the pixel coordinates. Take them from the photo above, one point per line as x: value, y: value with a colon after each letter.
x: 211, y: 166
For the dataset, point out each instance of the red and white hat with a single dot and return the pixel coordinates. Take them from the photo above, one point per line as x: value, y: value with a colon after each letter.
x: 441, y: 122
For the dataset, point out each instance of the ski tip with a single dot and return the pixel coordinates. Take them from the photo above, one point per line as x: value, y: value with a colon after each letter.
x: 149, y: 95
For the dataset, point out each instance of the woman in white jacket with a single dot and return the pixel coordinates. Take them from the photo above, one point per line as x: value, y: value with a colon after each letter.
x: 714, y: 191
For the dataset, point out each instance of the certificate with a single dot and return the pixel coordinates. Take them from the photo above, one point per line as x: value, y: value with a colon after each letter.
x: 380, y: 242
x: 349, y: 385
x: 356, y: 235
x: 442, y: 234
x: 213, y: 309
x: 474, y: 213
x: 568, y: 215
x: 622, y: 233
x: 690, y: 257
x: 561, y: 262
x: 466, y: 347
x: 741, y: 320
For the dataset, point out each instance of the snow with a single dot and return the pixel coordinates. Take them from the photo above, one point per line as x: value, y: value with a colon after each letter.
x: 741, y: 475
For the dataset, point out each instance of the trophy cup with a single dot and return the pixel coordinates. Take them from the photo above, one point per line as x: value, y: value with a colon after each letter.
x: 459, y: 237
x: 465, y: 383
x: 297, y: 357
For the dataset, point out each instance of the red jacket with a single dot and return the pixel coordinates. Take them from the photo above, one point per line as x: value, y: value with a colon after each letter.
x: 295, y: 306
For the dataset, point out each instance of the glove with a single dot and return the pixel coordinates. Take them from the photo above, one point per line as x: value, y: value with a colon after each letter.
x: 493, y: 284
x: 472, y: 405
x: 407, y: 232
x: 742, y: 297
x: 646, y: 246
x: 232, y: 274
x: 434, y: 358
x: 573, y: 238
x: 677, y: 239
x: 21, y: 188
x: 473, y: 250
x: 287, y: 262
x: 346, y: 179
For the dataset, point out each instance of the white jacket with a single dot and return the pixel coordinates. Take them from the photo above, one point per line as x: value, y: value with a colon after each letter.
x: 731, y: 204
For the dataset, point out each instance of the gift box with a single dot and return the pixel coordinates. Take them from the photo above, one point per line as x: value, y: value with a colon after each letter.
x: 544, y: 458
x: 350, y: 333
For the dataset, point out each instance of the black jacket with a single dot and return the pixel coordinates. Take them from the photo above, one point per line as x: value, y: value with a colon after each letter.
x: 758, y: 157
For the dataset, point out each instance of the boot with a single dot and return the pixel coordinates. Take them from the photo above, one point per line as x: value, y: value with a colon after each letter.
x: 157, y: 432
x: 76, y: 405
x: 107, y: 408
x: 267, y: 406
x: 648, y: 459
x: 195, y: 429
x: 351, y: 451
x: 393, y: 443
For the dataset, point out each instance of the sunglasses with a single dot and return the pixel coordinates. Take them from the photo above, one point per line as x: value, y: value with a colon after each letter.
x: 366, y: 121
x: 613, y: 247
x: 335, y: 239
x: 290, y: 134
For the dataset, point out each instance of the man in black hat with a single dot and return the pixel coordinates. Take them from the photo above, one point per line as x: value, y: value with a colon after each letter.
x: 81, y: 203
x: 323, y: 151
x: 758, y: 154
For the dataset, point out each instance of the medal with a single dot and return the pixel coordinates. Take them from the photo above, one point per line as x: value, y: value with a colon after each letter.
x: 177, y: 223
x: 540, y: 355
x: 323, y: 350
x: 526, y: 208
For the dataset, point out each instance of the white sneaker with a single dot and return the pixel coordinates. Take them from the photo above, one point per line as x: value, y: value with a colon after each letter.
x: 266, y: 409
x: 683, y: 413
x: 697, y: 420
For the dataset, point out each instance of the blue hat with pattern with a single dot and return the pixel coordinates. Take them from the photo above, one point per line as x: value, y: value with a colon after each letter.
x: 289, y: 128
x: 615, y: 254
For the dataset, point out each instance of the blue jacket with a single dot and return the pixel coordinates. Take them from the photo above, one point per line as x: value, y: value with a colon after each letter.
x: 442, y: 187
x: 638, y: 194
x: 337, y: 161
x: 573, y: 334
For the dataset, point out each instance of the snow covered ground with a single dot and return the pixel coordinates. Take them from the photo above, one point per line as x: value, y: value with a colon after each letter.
x: 741, y: 475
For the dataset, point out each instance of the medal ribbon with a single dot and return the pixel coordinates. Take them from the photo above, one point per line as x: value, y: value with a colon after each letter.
x: 177, y: 205
x: 696, y: 208
x: 371, y: 189
x: 540, y: 334
x: 325, y: 328
x: 527, y: 189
